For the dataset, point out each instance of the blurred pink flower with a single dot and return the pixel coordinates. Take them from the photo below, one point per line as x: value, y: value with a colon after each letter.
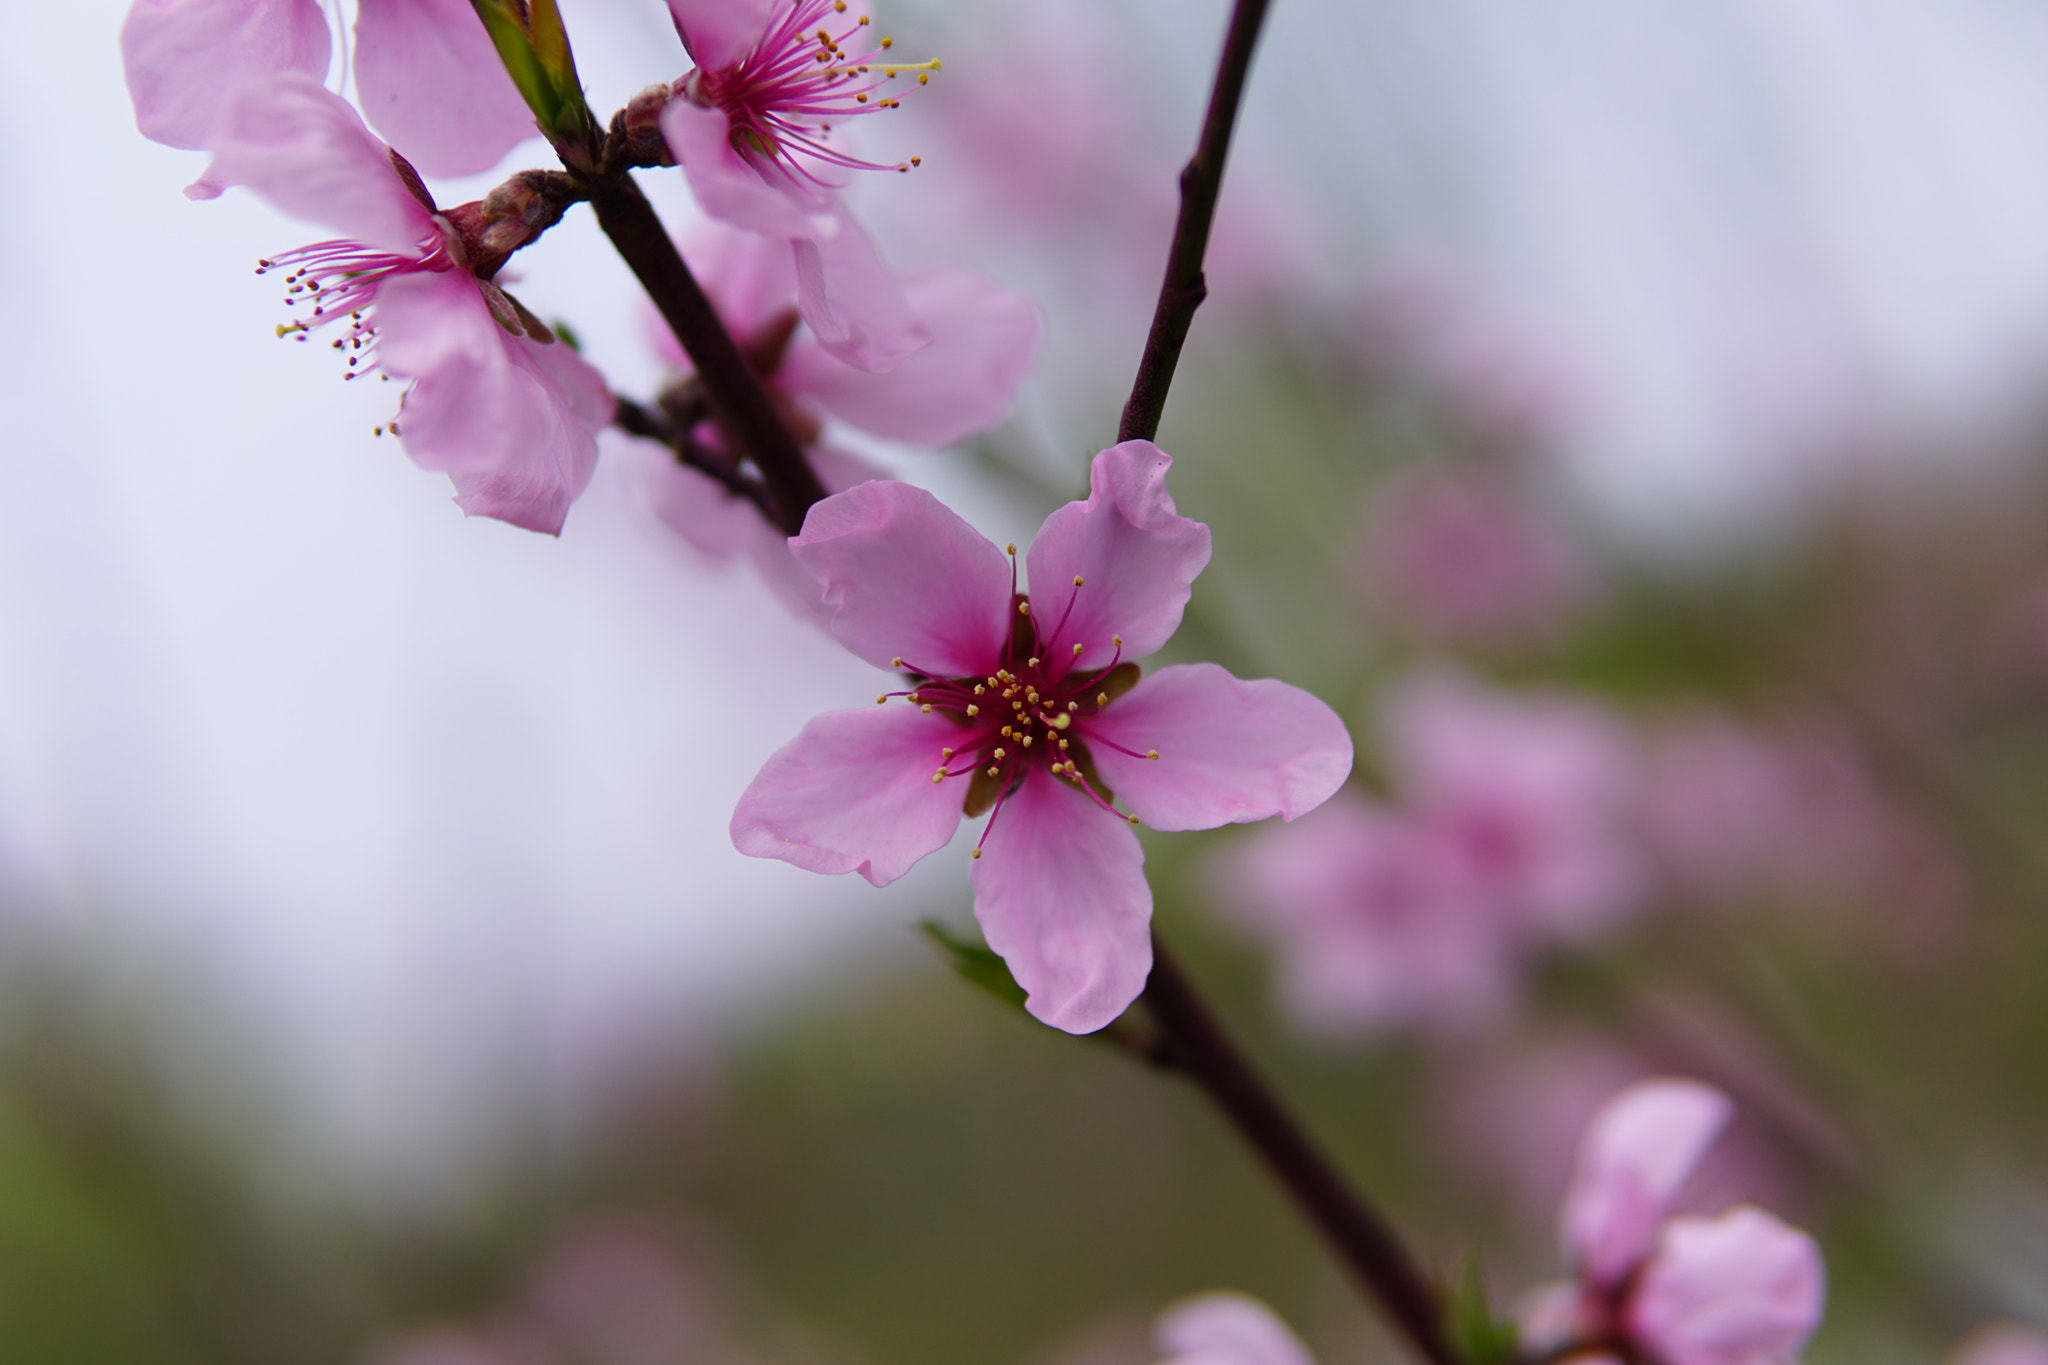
x: 984, y: 338
x: 508, y: 414
x: 1508, y: 833
x: 1790, y: 811
x: 749, y: 127
x: 1226, y: 1328
x: 1535, y: 789
x: 1375, y: 919
x: 2003, y: 1343
x: 1738, y: 1288
x: 425, y: 71
x: 1464, y: 557
x: 1017, y: 700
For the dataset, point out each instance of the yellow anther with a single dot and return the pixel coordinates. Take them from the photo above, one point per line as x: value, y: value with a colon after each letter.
x: 1063, y: 746
x: 1032, y: 663
x: 973, y: 710
x: 1116, y: 639
x: 1102, y: 698
x: 1073, y: 706
x: 896, y: 662
x: 879, y: 700
x: 1151, y: 753
x: 1031, y: 697
x: 917, y: 160
x: 1023, y: 608
x: 1027, y: 741
x: 889, y: 43
x: 860, y: 99
x: 994, y: 771
x: 926, y: 708
x: 923, y: 78
x: 979, y: 689
x: 939, y: 776
x: 1078, y: 649
x: 945, y: 753
x: 1009, y: 549
x: 915, y: 697
x: 976, y: 853
x: 1002, y: 753
x: 1132, y: 818
x: 1077, y: 580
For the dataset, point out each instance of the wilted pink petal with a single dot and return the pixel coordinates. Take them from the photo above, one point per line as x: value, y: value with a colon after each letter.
x: 1136, y: 557
x: 305, y: 149
x: 1738, y: 1289
x: 1637, y: 1152
x: 1061, y: 895
x: 853, y: 793
x: 1374, y: 920
x: 1229, y: 751
x: 432, y: 83
x: 1226, y: 1329
x: 185, y: 59
x: 907, y: 578
x: 983, y: 341
x: 513, y: 422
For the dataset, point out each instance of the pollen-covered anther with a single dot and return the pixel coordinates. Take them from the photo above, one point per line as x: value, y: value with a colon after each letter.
x: 1031, y: 663
x: 1063, y: 746
x: 1000, y: 753
x: 1132, y: 818
x: 879, y: 700
x: 896, y: 662
x: 1027, y: 741
x: 1073, y: 706
x: 939, y: 776
x: 945, y: 753
x: 1024, y: 609
x: 975, y: 854
x: 1117, y: 640
x: 994, y: 771
x: 1149, y: 753
x: 1101, y: 699
x: 927, y: 709
x: 1078, y: 649
x: 979, y: 689
x: 973, y: 710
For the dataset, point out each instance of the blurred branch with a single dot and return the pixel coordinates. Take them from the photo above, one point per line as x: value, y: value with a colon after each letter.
x: 1194, y: 1045
x: 634, y: 419
x: 1201, y: 181
x: 738, y: 400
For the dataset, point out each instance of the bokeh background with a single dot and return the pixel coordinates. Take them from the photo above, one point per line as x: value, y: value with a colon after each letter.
x: 1652, y: 392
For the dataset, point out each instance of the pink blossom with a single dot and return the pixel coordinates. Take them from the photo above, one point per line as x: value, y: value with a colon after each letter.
x: 1737, y: 1288
x: 2002, y: 1343
x: 1535, y: 788
x: 1028, y: 698
x: 1463, y: 556
x: 507, y: 413
x: 425, y: 70
x: 1376, y: 920
x: 1226, y: 1328
x: 750, y: 127
x: 984, y: 338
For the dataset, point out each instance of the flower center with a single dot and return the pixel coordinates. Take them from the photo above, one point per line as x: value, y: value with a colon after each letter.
x: 337, y: 281
x: 1030, y: 711
x: 811, y: 66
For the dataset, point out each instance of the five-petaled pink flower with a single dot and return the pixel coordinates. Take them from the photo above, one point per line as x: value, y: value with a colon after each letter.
x: 1026, y: 705
x: 508, y: 414
x: 425, y: 71
x: 750, y: 127
x: 1739, y: 1288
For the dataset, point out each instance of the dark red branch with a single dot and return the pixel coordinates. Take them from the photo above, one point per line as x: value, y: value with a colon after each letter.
x: 1201, y: 181
x: 740, y: 404
x: 1193, y: 1044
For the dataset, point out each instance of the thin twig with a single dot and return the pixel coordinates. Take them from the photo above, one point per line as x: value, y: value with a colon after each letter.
x: 632, y: 417
x: 738, y: 401
x: 1199, y: 1049
x: 1201, y: 180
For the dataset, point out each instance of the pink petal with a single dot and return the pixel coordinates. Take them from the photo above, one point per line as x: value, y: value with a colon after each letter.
x: 856, y: 310
x: 1229, y: 751
x: 1637, y: 1152
x: 512, y: 422
x: 1137, y: 556
x: 905, y: 576
x: 853, y: 793
x: 2004, y: 1343
x: 1061, y: 894
x: 735, y: 189
x: 185, y: 59
x: 1226, y: 1329
x: 718, y: 33
x: 749, y: 278
x: 302, y: 147
x: 431, y: 82
x: 983, y: 341
x: 718, y: 524
x: 1738, y: 1289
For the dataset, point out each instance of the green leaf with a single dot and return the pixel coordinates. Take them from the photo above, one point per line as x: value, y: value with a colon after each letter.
x: 1479, y: 1336
x: 534, y: 46
x: 975, y: 962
